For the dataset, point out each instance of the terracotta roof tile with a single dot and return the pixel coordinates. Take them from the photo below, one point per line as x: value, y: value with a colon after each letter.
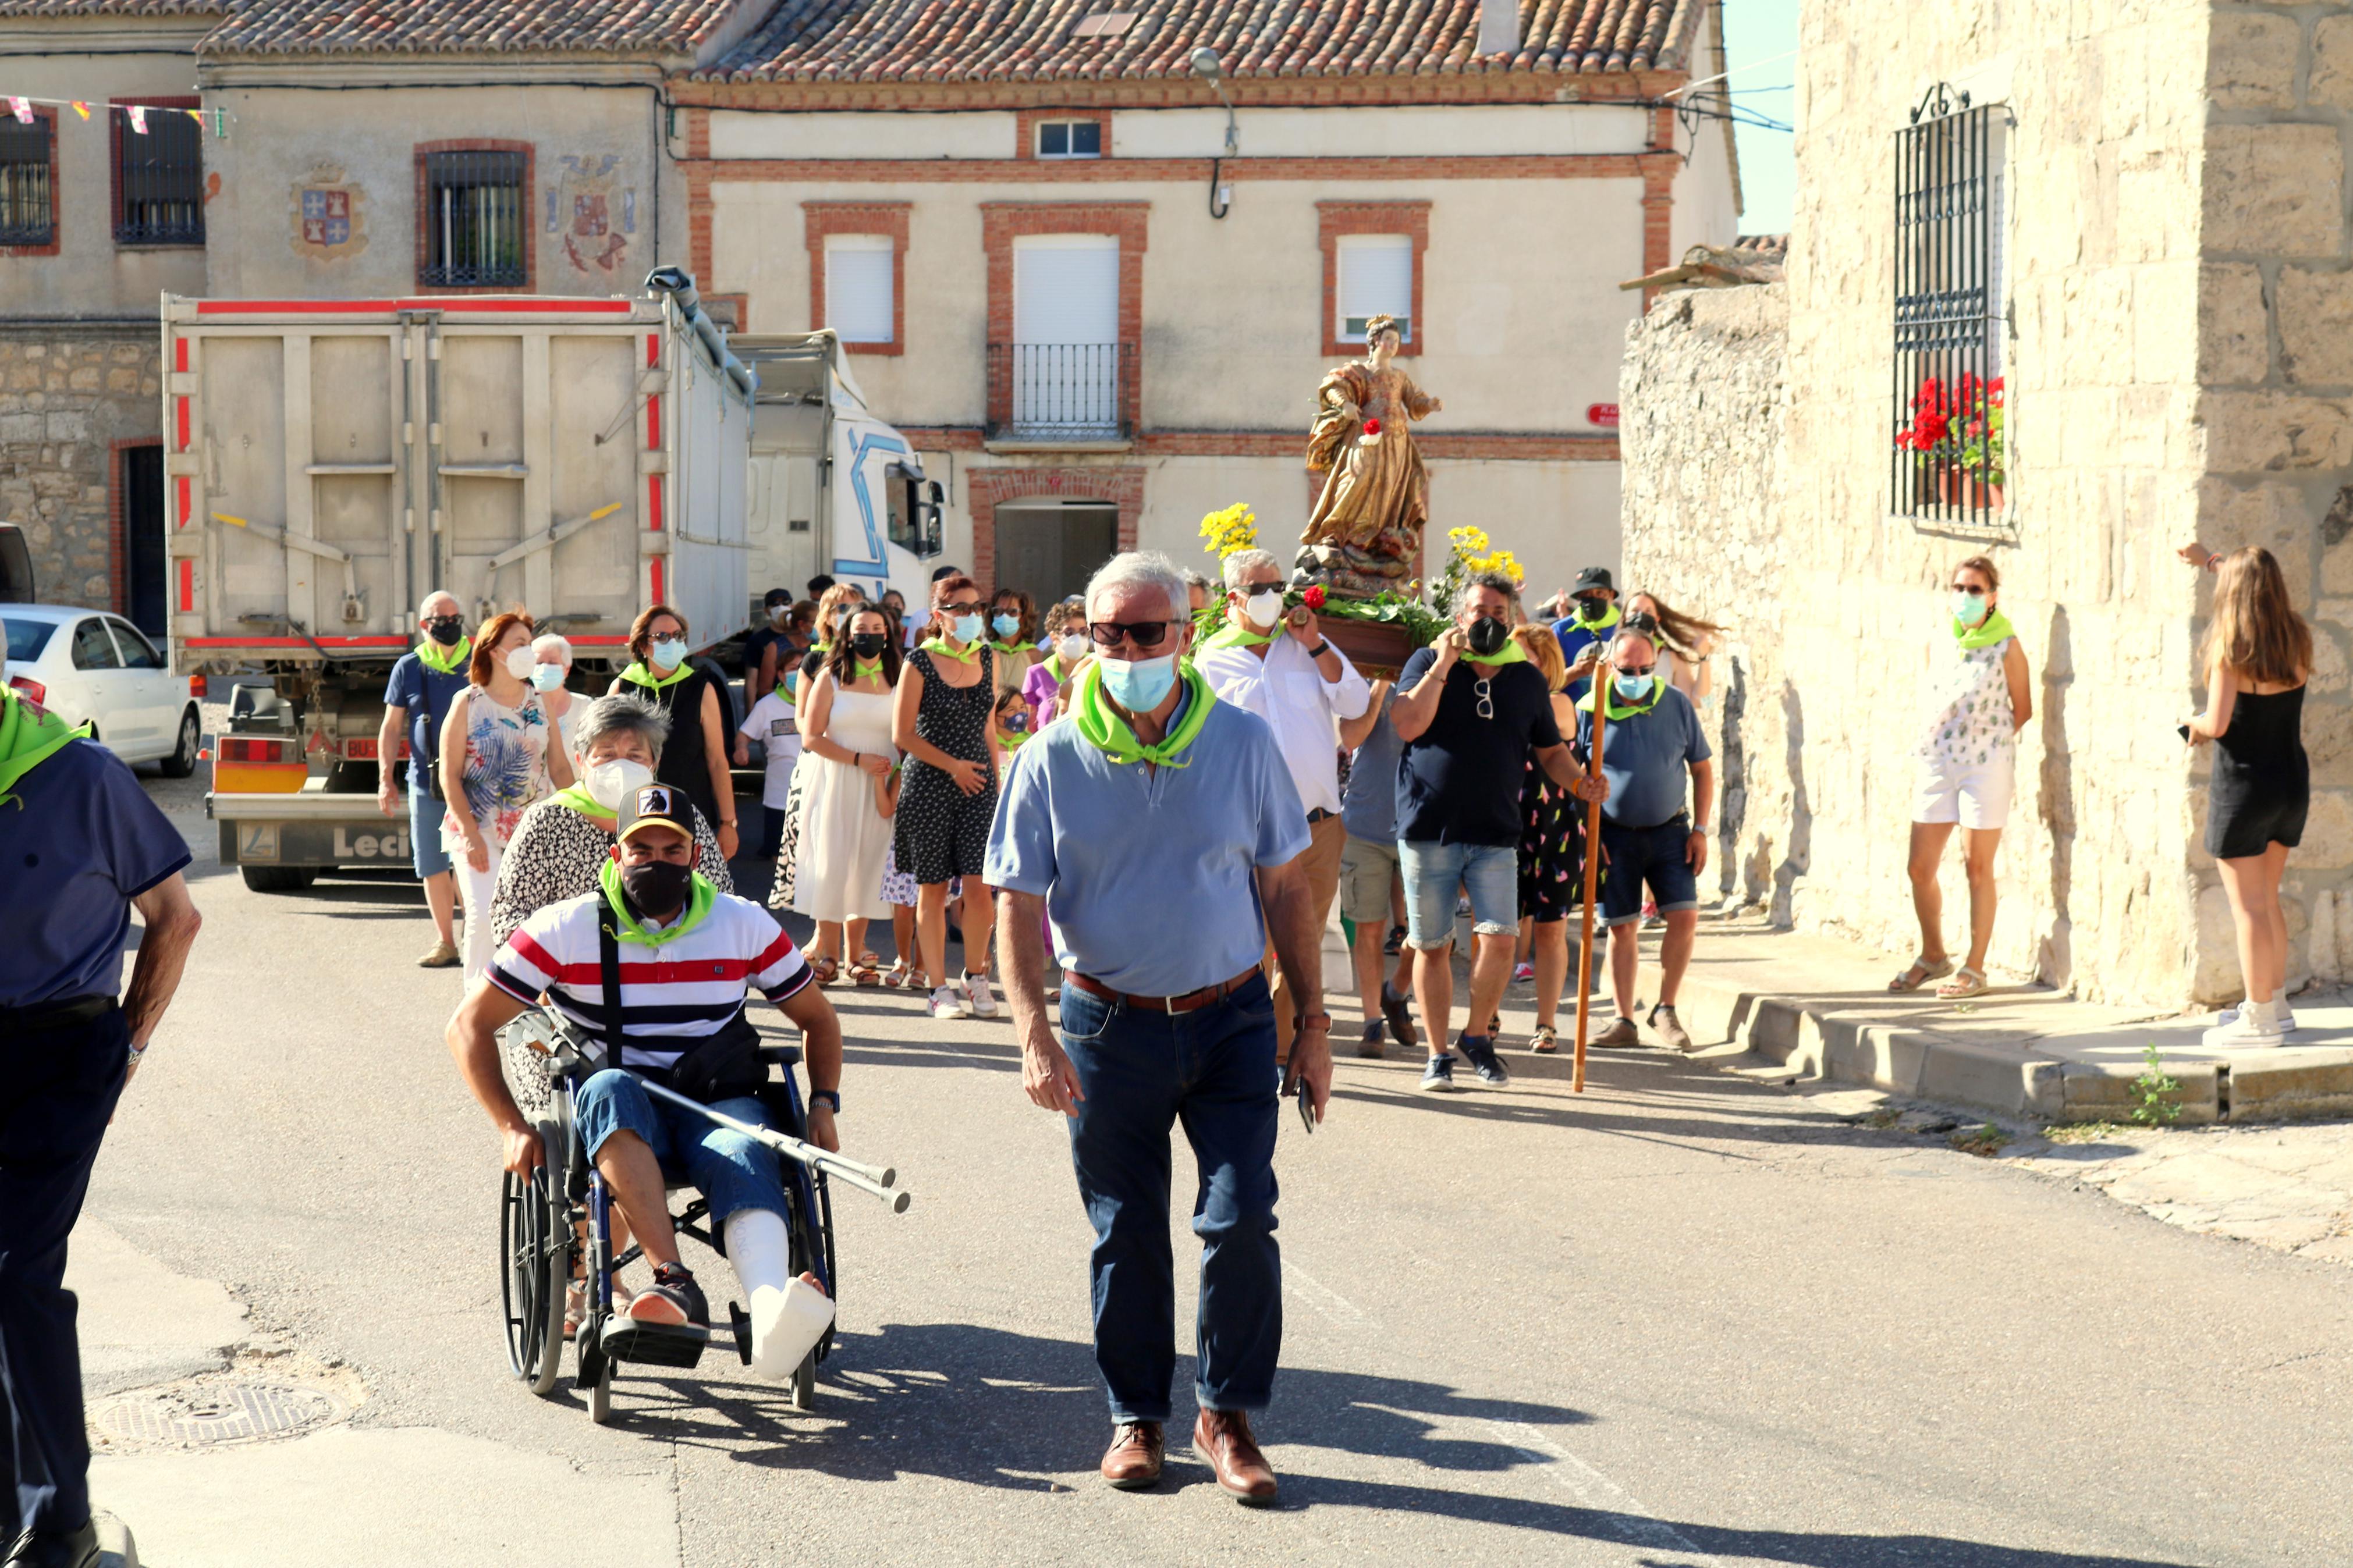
x: 465, y: 27
x: 114, y: 7
x: 1039, y: 41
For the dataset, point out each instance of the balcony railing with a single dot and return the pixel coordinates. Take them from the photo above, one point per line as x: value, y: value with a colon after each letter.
x: 1061, y: 392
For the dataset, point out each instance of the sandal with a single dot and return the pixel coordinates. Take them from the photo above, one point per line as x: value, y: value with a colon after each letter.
x: 1545, y: 1041
x: 901, y: 973
x: 1967, y: 981
x: 1921, y: 971
x: 866, y: 970
x: 576, y: 1306
x: 825, y: 966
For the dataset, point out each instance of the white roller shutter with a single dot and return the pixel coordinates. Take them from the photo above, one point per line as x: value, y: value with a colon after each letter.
x: 1066, y: 289
x: 858, y: 300
x: 1375, y: 279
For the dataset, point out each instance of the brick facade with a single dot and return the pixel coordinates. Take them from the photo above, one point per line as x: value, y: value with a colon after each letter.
x: 1121, y: 485
x: 888, y: 219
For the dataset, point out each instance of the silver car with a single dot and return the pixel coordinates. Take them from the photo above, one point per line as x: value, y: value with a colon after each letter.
x: 91, y: 666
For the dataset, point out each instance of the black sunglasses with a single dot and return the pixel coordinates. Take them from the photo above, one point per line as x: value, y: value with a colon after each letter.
x: 960, y: 608
x: 1143, y: 634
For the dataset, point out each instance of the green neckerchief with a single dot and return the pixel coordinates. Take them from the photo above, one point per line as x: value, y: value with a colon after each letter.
x: 452, y: 660
x: 1603, y: 624
x: 1509, y: 653
x: 1233, y: 635
x: 641, y: 674
x: 939, y: 646
x: 1011, y: 648
x: 29, y: 736
x: 1054, y: 663
x: 701, y: 895
x: 863, y: 669
x: 1092, y: 711
x: 1985, y: 632
x: 1657, y: 691
x: 1014, y: 738
x: 578, y: 798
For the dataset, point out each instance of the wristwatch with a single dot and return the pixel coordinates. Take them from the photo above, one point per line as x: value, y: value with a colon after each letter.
x: 1324, y: 1020
x: 832, y: 1097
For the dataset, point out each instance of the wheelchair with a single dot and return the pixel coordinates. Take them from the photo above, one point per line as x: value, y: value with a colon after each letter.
x: 560, y: 1218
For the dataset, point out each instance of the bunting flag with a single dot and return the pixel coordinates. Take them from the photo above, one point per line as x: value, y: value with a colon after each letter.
x: 139, y: 118
x: 20, y: 105
x: 81, y: 109
x: 23, y: 107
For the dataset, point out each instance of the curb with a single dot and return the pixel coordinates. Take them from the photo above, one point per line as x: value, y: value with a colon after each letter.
x: 115, y: 1547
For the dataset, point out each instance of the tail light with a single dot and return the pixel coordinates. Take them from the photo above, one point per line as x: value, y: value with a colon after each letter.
x: 245, y: 749
x: 197, y: 684
x: 30, y: 687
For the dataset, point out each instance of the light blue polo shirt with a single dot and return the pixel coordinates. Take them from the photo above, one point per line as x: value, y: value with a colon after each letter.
x: 1146, y: 872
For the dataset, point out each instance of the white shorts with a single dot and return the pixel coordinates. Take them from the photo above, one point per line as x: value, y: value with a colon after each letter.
x: 1974, y: 794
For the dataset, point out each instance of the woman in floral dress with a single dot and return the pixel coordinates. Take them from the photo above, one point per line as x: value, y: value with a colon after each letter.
x: 499, y: 755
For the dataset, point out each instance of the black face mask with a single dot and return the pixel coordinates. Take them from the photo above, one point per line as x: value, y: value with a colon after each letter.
x: 1592, y: 608
x: 657, y: 887
x: 868, y: 645
x: 1487, y: 636
x: 445, y: 630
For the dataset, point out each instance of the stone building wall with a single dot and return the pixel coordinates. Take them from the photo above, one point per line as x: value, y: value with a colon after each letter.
x: 69, y: 398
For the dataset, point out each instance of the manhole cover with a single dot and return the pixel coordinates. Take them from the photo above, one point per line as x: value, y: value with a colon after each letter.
x: 233, y: 1412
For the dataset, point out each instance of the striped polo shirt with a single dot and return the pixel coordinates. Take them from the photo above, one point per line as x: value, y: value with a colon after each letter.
x: 686, y: 988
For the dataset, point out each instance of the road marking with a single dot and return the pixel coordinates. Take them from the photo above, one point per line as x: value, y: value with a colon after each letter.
x: 1325, y: 1299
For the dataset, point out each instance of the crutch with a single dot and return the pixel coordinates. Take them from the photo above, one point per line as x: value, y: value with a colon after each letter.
x: 1592, y: 880
x: 882, y: 1181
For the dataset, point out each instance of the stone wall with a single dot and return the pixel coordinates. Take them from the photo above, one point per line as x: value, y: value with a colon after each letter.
x: 66, y: 397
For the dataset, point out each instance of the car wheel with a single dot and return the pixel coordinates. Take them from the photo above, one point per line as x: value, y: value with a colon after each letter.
x: 182, y: 760
x: 278, y: 879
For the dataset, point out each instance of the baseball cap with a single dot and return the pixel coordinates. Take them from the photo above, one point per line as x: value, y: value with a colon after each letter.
x: 656, y: 805
x: 1594, y: 579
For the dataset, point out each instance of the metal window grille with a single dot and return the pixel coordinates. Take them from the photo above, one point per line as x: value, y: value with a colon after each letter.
x: 473, y: 220
x: 28, y: 211
x: 1950, y: 437
x: 1062, y: 391
x: 161, y: 176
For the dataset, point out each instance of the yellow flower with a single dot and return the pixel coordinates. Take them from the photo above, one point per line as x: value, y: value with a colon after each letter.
x: 1232, y: 529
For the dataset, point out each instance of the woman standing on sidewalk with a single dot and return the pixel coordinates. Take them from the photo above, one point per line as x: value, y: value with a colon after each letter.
x: 2257, y: 658
x: 1979, y: 700
x: 497, y: 754
x: 694, y: 758
x: 947, y: 795
x: 844, y: 837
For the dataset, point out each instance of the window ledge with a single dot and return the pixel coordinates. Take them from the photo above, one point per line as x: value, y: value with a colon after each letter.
x: 2000, y: 528
x: 1017, y: 444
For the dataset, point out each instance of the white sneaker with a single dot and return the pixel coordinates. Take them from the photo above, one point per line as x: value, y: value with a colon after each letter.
x: 2281, y: 1010
x: 946, y: 1003
x: 984, y: 1001
x: 2254, y: 1027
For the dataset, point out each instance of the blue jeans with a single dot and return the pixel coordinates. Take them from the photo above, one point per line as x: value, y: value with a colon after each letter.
x: 732, y: 1170
x: 425, y: 851
x: 1489, y: 872
x: 1212, y: 1070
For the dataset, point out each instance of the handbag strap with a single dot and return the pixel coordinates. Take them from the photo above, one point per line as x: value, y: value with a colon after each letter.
x: 608, y: 962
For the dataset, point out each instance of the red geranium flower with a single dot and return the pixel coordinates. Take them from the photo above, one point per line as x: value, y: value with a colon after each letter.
x: 1372, y: 426
x: 1313, y: 598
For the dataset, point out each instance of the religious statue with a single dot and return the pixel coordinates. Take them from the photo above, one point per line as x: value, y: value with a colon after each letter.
x: 1366, y: 528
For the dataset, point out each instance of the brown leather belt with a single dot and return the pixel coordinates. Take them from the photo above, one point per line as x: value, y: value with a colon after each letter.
x: 1191, y: 1002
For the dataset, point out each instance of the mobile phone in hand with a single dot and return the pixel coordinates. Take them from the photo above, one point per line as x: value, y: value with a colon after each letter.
x: 2183, y: 730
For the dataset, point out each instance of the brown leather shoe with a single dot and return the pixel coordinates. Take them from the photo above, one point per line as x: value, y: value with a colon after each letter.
x: 1132, y: 1463
x: 1223, y: 1437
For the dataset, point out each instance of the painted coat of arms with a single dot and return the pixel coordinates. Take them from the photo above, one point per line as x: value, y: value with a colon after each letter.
x: 330, y: 217
x: 591, y: 214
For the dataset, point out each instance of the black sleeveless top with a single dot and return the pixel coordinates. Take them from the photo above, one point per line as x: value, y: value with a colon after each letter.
x: 683, y: 761
x: 2262, y: 784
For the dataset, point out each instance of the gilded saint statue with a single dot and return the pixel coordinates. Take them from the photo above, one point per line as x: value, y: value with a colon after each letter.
x: 1367, y: 525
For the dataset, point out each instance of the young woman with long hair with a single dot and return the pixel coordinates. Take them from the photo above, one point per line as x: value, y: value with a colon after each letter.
x: 1688, y: 640
x: 2256, y: 659
x: 844, y: 839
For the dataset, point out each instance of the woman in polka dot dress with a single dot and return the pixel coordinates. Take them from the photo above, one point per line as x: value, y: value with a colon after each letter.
x: 947, y: 794
x: 1552, y: 851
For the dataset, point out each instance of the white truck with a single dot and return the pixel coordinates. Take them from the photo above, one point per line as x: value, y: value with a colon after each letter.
x: 329, y: 462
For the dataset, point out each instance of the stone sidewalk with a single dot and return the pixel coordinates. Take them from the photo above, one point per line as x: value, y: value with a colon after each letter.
x: 1821, y: 1008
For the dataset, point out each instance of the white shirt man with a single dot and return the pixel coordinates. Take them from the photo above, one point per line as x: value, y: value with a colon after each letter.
x: 1279, y: 667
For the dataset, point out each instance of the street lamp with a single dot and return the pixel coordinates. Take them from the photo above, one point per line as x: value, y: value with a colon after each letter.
x: 1212, y: 69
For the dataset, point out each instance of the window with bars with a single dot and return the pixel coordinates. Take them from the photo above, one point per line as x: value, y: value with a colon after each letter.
x: 1950, y: 415
x: 474, y: 210
x: 158, y: 180
x: 28, y: 210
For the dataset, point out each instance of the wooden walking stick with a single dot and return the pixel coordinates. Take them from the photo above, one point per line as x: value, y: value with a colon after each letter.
x: 1592, y: 879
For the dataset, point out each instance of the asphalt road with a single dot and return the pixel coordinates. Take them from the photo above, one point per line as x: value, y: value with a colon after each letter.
x: 1684, y: 1318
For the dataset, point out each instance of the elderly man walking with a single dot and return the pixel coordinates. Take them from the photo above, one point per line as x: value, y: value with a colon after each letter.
x: 1158, y: 830
x: 1651, y: 750
x: 416, y: 698
x: 1279, y: 667
x: 1470, y: 708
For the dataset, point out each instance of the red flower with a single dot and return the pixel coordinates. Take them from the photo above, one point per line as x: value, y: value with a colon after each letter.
x: 1372, y: 426
x: 1313, y: 598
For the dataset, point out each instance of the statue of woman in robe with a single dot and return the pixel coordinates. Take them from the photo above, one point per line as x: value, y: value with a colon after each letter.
x: 1376, y: 496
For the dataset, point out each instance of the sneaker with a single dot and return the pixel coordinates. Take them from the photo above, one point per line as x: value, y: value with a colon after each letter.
x: 1438, y: 1077
x: 1395, y: 943
x: 984, y: 1001
x: 1371, y: 1048
x: 2255, y: 1027
x: 1481, y: 1055
x: 1396, y: 1008
x: 1523, y: 972
x: 440, y: 955
x: 1620, y: 1033
x: 949, y: 1003
x: 673, y: 1298
x: 1670, y: 1030
x: 2230, y: 1016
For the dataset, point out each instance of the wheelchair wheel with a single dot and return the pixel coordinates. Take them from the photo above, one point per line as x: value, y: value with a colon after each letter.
x: 535, y: 1256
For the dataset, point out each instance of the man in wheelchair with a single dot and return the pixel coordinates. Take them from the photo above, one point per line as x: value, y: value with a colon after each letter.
x: 655, y: 966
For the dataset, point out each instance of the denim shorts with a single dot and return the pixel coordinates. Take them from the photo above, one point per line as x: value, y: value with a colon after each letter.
x: 731, y: 1170
x: 1656, y: 855
x: 425, y: 851
x: 1489, y: 872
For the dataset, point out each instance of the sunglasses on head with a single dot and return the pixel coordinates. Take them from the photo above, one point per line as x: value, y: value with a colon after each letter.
x: 1143, y: 634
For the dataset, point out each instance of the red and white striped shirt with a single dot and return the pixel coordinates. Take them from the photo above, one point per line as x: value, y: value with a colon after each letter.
x: 686, y: 988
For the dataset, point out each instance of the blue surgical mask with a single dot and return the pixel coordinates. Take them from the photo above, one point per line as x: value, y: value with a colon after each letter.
x: 966, y: 628
x: 1633, y: 688
x: 668, y: 653
x: 1139, y: 685
x: 547, y: 677
x: 1006, y: 625
x: 1968, y: 608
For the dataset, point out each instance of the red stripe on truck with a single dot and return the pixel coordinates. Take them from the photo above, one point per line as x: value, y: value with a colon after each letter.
x: 505, y: 305
x: 285, y: 642
x: 187, y: 584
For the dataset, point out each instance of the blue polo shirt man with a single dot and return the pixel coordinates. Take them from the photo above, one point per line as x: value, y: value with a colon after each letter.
x: 417, y: 697
x: 1157, y: 830
x: 81, y: 843
x: 1594, y: 620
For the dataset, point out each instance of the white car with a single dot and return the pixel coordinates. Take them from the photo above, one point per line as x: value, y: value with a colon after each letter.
x: 95, y: 667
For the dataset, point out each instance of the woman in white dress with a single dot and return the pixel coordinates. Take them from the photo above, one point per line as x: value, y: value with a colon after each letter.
x: 844, y: 837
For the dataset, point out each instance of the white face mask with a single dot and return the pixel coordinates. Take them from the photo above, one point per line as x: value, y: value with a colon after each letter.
x: 1263, y: 607
x: 520, y: 662
x: 1071, y: 648
x: 609, y: 783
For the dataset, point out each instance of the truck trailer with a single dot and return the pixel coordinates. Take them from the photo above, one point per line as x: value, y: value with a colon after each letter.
x: 330, y: 462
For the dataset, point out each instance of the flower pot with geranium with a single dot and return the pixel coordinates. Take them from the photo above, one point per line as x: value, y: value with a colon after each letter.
x: 1955, y: 438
